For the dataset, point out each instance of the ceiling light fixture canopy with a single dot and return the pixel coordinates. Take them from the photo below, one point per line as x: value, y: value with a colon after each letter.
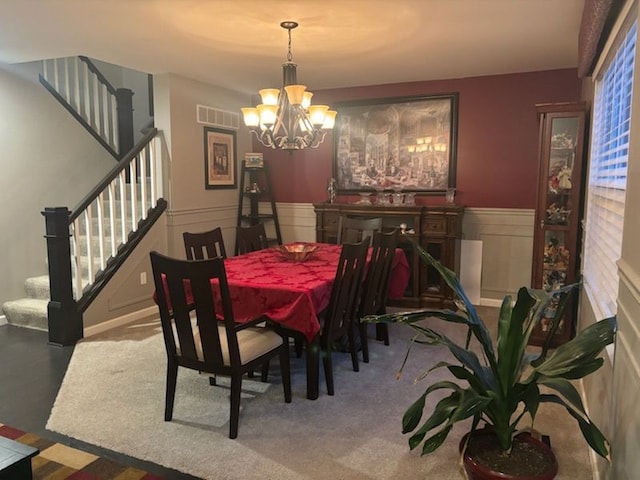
x: 286, y: 119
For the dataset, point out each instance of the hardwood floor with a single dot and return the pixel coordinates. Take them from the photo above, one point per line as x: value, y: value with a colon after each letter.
x: 30, y: 375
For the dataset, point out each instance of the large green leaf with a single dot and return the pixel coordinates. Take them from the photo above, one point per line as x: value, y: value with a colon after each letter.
x: 586, y: 368
x: 432, y: 443
x: 504, y: 323
x: 470, y: 403
x: 585, y: 347
x: 442, y: 411
x: 413, y: 414
x: 511, y: 341
x: 530, y: 397
x: 591, y: 433
x: 466, y: 403
x: 463, y: 374
x: 566, y: 389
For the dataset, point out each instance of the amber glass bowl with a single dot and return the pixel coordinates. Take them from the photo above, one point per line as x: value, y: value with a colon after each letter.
x: 297, y: 252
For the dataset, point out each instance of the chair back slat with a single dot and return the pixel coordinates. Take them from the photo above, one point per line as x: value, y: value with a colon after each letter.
x: 355, y: 229
x: 251, y: 239
x: 345, y: 292
x: 376, y: 283
x: 186, y: 287
x: 203, y: 245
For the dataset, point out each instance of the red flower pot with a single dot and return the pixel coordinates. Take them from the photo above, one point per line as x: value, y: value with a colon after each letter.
x: 531, y: 459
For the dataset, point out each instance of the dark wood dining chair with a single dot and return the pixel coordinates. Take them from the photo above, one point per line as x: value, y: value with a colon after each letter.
x: 338, y: 319
x: 204, y: 245
x: 251, y: 239
x: 354, y: 229
x: 212, y: 346
x: 375, y: 288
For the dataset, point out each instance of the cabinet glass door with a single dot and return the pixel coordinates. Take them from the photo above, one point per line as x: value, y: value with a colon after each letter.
x: 558, y: 212
x: 562, y: 157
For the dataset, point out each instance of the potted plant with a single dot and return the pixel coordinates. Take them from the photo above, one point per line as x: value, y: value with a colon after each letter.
x: 506, y: 383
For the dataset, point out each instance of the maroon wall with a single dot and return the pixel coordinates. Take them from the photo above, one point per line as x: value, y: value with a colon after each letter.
x: 497, y: 138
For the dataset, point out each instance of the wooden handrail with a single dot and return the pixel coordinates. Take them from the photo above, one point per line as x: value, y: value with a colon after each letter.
x: 109, y: 177
x: 112, y: 90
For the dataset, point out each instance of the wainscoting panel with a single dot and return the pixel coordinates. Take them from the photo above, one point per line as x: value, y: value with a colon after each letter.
x: 626, y: 379
x: 200, y: 220
x: 597, y: 391
x: 297, y: 222
x: 507, y: 250
x: 130, y: 290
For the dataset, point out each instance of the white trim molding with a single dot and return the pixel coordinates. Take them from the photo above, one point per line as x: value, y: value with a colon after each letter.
x: 148, y: 312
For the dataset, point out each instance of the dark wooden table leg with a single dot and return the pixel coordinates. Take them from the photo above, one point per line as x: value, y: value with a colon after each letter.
x: 313, y: 368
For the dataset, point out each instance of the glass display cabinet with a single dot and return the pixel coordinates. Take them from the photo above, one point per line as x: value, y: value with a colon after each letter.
x: 558, y: 211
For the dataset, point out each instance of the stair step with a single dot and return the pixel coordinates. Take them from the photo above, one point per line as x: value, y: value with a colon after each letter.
x: 38, y: 287
x: 27, y: 312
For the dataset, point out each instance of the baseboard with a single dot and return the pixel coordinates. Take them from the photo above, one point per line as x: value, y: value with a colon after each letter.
x: 490, y: 302
x: 3, y: 319
x: 123, y: 320
x: 153, y: 311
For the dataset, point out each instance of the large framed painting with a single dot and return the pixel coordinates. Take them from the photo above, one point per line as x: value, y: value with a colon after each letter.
x: 219, y: 158
x: 405, y: 143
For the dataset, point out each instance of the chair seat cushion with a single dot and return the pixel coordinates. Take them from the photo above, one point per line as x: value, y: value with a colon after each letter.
x: 252, y: 342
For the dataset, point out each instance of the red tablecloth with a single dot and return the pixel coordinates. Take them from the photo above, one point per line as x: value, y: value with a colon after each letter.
x: 293, y: 293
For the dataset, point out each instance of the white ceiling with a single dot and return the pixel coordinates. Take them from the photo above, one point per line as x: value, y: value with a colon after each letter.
x: 239, y: 44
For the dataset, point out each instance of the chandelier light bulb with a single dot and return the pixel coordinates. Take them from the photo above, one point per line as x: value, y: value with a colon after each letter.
x: 317, y: 114
x: 306, y: 99
x: 251, y: 116
x: 329, y: 119
x: 269, y: 96
x: 268, y: 114
x: 295, y: 93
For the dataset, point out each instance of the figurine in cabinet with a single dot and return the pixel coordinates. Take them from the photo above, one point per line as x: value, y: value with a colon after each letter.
x: 564, y: 178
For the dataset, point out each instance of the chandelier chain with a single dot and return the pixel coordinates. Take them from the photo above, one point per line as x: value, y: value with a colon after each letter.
x: 289, y: 54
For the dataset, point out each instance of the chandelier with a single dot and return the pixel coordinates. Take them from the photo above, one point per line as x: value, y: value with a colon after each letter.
x: 286, y: 119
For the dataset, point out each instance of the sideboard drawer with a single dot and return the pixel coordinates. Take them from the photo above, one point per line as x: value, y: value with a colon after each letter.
x: 331, y: 222
x: 434, y: 225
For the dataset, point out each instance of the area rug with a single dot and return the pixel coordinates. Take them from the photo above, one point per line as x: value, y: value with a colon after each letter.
x: 60, y: 462
x: 113, y: 397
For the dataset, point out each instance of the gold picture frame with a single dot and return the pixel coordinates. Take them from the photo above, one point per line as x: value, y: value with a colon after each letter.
x: 219, y: 158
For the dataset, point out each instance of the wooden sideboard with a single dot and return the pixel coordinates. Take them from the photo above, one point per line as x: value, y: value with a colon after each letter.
x: 438, y: 229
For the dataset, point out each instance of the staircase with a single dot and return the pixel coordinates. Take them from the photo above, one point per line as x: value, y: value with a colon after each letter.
x: 30, y: 312
x: 87, y: 245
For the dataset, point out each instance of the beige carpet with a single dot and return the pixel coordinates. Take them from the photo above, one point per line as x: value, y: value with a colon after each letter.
x: 113, y: 396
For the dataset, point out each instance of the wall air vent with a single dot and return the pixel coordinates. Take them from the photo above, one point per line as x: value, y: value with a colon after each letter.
x: 217, y: 117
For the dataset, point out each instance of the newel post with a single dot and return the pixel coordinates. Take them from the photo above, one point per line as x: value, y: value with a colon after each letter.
x: 124, y: 99
x: 65, y: 321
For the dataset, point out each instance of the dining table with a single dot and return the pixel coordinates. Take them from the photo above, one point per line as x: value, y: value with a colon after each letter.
x: 292, y: 294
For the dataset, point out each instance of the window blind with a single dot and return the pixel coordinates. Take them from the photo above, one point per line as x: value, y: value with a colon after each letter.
x: 607, y: 179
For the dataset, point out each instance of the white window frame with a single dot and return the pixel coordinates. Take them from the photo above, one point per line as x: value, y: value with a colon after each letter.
x: 601, y: 287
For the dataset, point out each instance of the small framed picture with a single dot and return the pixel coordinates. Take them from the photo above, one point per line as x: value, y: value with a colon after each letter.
x: 219, y: 158
x: 253, y: 160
